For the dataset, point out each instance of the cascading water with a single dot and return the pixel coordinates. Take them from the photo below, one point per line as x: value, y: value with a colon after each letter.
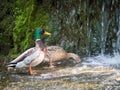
x: 89, y: 30
x: 107, y: 60
x: 118, y: 34
x: 103, y: 31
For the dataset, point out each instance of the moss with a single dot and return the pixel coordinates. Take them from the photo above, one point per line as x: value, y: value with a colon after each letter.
x: 27, y: 20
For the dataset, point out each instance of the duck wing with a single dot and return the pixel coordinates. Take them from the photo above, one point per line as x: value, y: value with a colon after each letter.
x: 54, y: 51
x: 35, y: 58
x: 53, y: 48
x: 23, y: 55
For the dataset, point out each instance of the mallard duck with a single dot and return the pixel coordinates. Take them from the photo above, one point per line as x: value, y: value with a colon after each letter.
x: 56, y: 53
x: 33, y: 56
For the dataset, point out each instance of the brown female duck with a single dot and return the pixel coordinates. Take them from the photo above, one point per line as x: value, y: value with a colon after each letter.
x: 56, y: 53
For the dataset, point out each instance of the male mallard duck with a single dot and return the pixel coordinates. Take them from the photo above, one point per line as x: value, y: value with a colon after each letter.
x: 33, y: 56
x: 55, y: 53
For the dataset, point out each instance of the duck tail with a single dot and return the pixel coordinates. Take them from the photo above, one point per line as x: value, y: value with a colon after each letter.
x: 74, y: 56
x: 11, y: 66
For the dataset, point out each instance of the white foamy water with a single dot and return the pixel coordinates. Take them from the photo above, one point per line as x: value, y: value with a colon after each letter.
x: 103, y: 60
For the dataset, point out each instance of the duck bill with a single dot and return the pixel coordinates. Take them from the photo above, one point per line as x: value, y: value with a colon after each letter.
x: 47, y: 33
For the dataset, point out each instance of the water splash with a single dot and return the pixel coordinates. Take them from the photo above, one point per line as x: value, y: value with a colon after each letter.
x: 104, y: 60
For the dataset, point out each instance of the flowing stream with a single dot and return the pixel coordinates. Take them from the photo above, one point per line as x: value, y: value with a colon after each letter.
x: 94, y: 73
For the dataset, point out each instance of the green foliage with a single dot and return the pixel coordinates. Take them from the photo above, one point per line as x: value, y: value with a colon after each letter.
x: 19, y: 19
x: 22, y: 24
x: 6, y: 26
x: 28, y: 18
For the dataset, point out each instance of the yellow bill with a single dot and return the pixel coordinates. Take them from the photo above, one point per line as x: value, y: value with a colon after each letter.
x: 47, y: 33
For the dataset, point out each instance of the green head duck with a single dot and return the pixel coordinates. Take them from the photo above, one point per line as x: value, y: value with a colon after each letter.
x: 39, y: 32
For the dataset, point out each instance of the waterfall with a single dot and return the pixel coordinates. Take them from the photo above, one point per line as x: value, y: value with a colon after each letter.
x: 118, y: 33
x: 88, y: 27
x: 104, y: 28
